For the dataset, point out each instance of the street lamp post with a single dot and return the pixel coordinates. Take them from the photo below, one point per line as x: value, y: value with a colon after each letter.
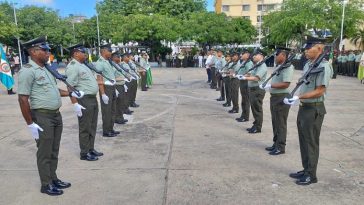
x: 98, y: 28
x: 16, y: 23
x: 344, y: 2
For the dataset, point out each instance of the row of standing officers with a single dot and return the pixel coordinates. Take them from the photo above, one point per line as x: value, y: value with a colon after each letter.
x: 40, y: 100
x: 248, y: 72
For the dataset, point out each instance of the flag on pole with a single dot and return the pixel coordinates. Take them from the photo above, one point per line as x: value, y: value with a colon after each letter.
x: 5, y: 73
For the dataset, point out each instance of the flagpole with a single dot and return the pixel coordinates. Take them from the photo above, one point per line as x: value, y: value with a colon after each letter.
x: 98, y: 28
x: 16, y: 23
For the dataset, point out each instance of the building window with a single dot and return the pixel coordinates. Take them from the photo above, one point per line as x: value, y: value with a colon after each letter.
x: 246, y: 7
x: 246, y: 17
x: 259, y: 19
x: 225, y: 8
x: 266, y: 7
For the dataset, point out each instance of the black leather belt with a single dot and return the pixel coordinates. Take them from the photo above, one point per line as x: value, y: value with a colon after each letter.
x: 47, y: 111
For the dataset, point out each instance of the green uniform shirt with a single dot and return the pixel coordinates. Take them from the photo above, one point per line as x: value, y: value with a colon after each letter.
x: 40, y: 85
x: 220, y: 63
x: 285, y: 76
x: 81, y: 77
x: 339, y: 58
x: 261, y: 72
x: 103, y: 65
x: 317, y: 80
x: 344, y: 58
x: 120, y: 78
x: 351, y: 57
x: 357, y: 58
x: 235, y: 68
x: 245, y: 69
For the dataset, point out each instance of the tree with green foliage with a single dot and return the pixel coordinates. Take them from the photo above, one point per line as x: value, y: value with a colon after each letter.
x: 8, y: 30
x: 296, y: 16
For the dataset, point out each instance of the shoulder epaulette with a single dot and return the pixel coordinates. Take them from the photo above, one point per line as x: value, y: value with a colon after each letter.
x: 27, y: 65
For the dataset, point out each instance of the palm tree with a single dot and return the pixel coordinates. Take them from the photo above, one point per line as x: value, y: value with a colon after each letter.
x: 359, y: 39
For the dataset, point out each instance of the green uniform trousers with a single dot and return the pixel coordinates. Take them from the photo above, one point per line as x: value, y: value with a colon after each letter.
x: 87, y: 124
x: 245, y: 102
x: 220, y: 84
x: 309, y: 122
x: 108, y: 110
x: 121, y: 103
x: 227, y: 89
x: 132, y: 90
x: 279, y: 112
x: 256, y: 96
x: 143, y: 81
x: 213, y: 78
x: 234, y: 86
x: 48, y: 143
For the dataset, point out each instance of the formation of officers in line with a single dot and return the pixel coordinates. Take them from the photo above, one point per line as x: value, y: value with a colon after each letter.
x: 40, y: 100
x: 347, y: 63
x: 248, y: 72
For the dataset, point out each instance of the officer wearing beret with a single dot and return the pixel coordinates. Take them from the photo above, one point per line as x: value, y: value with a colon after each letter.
x: 246, y: 64
x: 107, y: 91
x: 227, y: 81
x: 40, y: 100
x: 278, y: 89
x: 87, y: 110
x: 256, y: 95
x: 311, y: 111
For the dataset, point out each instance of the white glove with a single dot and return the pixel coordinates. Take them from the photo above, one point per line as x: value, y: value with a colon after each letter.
x: 127, y: 80
x: 73, y: 94
x: 78, y: 109
x: 267, y: 87
x: 105, y: 99
x: 34, y: 130
x: 133, y: 78
x: 241, y: 77
x: 291, y: 101
x: 125, y: 88
x: 109, y: 83
x: 117, y: 92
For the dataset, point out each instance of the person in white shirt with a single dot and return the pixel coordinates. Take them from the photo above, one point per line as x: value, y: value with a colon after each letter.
x: 200, y: 61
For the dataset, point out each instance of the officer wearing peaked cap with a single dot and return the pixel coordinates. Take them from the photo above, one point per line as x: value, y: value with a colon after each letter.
x: 107, y: 91
x: 40, y: 100
x: 86, y: 109
x: 311, y: 111
x: 256, y: 95
x: 279, y: 90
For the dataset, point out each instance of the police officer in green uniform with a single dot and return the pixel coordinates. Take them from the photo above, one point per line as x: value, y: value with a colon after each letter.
x: 234, y: 83
x: 227, y: 82
x: 134, y: 80
x: 40, y: 100
x: 246, y: 64
x: 256, y: 95
x: 311, y: 111
x: 121, y: 90
x: 86, y: 108
x: 279, y: 111
x: 351, y: 63
x: 107, y: 91
x: 344, y: 63
x: 143, y: 72
x: 220, y: 64
x: 357, y: 62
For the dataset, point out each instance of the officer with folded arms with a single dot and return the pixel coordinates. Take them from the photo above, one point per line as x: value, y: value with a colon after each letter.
x: 40, y: 100
x: 86, y: 108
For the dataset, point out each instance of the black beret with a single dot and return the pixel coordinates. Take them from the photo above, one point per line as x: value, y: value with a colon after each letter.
x: 40, y: 42
x: 311, y: 41
x: 260, y: 51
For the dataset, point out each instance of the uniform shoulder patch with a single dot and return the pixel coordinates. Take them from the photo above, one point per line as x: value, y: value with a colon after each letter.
x: 27, y: 65
x: 72, y: 63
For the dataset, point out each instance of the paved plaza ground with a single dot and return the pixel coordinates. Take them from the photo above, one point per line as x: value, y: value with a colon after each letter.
x: 182, y: 147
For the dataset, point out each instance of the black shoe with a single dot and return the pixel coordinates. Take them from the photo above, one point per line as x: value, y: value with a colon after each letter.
x: 297, y: 175
x: 144, y: 89
x: 89, y: 157
x: 306, y: 180
x: 226, y: 104
x: 96, y: 153
x: 254, y: 130
x: 270, y: 148
x: 115, y: 132
x: 60, y: 184
x: 233, y: 111
x: 276, y: 151
x: 128, y: 112
x: 248, y: 129
x: 134, y: 105
x: 11, y: 92
x: 220, y: 99
x: 51, y: 190
x: 121, y: 122
x: 240, y: 119
x: 213, y: 87
x: 108, y: 134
